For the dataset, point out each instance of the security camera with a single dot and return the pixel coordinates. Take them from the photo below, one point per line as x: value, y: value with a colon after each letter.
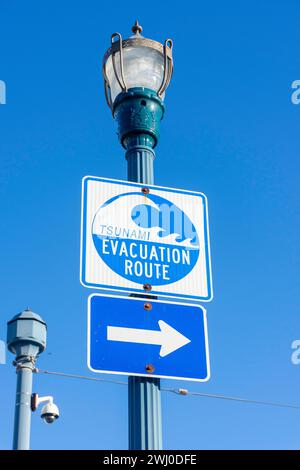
x: 50, y: 411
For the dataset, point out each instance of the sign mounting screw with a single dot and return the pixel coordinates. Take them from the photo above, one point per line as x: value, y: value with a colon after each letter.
x: 147, y: 287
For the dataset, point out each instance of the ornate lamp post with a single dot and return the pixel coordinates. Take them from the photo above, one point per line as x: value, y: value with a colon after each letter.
x: 137, y: 72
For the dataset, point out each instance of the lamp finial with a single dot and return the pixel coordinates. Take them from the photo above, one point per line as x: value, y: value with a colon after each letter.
x: 136, y: 28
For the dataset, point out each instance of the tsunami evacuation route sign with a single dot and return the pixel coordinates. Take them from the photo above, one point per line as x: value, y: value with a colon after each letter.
x: 141, y: 238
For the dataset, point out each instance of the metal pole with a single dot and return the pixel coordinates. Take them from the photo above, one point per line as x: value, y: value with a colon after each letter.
x: 144, y: 397
x: 21, y: 440
x: 26, y: 338
x: 138, y: 111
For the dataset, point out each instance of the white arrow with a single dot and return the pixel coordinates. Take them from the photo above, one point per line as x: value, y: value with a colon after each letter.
x: 168, y: 338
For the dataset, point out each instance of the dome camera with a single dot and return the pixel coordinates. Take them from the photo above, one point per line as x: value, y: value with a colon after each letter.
x: 50, y: 413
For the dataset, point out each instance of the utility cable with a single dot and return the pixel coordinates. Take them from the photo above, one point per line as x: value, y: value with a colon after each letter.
x: 177, y: 391
x: 183, y: 391
x: 76, y: 376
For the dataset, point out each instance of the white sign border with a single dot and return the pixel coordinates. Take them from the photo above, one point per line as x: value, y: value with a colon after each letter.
x: 207, y: 378
x: 175, y: 296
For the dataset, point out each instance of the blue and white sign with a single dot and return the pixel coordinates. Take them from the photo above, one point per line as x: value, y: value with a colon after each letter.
x: 145, y: 337
x: 136, y: 237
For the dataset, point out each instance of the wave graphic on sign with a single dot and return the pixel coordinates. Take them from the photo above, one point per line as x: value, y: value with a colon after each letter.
x: 167, y: 223
x: 161, y: 219
x: 145, y: 238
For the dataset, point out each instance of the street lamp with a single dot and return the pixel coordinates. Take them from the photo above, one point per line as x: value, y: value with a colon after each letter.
x: 26, y: 338
x: 137, y: 72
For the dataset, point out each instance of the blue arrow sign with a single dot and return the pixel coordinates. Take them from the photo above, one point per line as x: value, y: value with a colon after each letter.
x: 147, y: 337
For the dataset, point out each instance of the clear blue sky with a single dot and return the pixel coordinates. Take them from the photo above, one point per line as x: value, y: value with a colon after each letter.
x: 230, y: 131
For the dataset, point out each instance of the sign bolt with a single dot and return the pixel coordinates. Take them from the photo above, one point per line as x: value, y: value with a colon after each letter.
x: 147, y: 287
x: 147, y: 306
x: 145, y: 190
x: 149, y: 368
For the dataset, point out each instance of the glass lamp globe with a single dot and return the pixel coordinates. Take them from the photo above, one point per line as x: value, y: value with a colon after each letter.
x: 136, y: 62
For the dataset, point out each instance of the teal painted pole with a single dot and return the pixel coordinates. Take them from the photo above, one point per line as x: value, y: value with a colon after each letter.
x: 138, y: 113
x: 140, y: 158
x: 145, y: 419
x: 144, y: 397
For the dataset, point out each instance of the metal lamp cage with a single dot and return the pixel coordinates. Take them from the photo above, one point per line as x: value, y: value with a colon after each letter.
x: 118, y: 44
